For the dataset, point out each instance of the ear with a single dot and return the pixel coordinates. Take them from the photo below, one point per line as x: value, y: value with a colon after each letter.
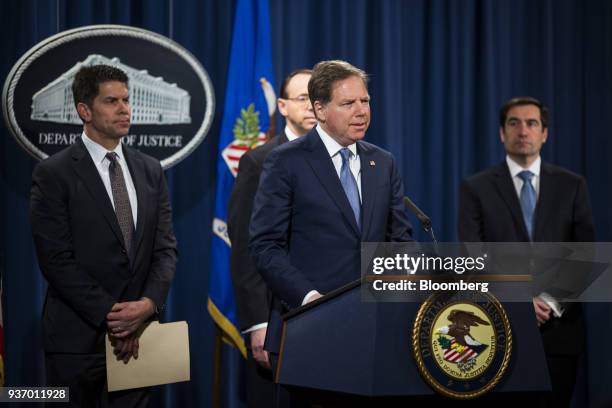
x: 320, y: 111
x: 544, y: 135
x: 282, y: 106
x: 502, y: 136
x: 84, y: 112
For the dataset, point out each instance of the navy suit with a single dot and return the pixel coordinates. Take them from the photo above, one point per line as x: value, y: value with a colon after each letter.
x: 304, y: 235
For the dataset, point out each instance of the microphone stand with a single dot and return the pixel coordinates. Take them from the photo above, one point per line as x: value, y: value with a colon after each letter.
x: 424, y: 219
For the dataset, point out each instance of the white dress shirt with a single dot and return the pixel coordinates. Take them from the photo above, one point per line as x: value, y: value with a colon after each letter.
x: 290, y: 135
x: 98, y: 155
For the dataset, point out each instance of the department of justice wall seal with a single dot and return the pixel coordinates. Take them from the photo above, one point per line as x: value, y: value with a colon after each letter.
x: 462, y: 343
x: 171, y: 94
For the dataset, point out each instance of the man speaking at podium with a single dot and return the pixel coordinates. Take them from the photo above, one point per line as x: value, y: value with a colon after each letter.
x: 322, y: 195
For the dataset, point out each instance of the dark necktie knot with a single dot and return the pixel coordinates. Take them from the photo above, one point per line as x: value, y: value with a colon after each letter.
x: 113, y: 158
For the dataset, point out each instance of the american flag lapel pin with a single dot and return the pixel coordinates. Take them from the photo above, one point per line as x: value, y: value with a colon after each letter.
x: 372, y: 163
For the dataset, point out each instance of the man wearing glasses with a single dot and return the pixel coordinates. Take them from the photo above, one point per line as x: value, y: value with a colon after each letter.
x: 252, y: 295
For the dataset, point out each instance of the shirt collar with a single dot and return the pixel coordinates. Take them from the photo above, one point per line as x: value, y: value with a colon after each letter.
x: 291, y: 136
x: 515, y: 168
x: 98, y: 152
x: 332, y: 146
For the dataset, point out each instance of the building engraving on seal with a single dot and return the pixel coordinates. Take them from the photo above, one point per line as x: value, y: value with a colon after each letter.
x: 154, y: 101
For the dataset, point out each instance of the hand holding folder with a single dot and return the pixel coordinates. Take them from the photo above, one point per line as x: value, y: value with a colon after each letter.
x: 163, y: 358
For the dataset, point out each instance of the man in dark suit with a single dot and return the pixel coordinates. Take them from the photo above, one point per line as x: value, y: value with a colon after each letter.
x: 525, y: 199
x: 102, y: 226
x: 322, y: 195
x: 252, y: 295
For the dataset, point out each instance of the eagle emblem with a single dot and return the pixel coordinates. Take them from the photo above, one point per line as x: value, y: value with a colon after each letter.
x: 458, y: 345
x: 462, y: 343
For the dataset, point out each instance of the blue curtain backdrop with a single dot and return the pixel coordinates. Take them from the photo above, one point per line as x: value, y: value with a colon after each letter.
x: 439, y: 71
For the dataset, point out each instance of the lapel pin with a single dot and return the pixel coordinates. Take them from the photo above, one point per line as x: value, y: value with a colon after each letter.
x: 372, y: 163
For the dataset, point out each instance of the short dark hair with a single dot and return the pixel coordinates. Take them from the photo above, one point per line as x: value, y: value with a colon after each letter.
x: 522, y: 101
x: 326, y: 73
x: 283, y: 89
x: 87, y: 80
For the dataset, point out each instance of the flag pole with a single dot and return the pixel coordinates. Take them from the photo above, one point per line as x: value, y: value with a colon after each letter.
x: 216, y: 385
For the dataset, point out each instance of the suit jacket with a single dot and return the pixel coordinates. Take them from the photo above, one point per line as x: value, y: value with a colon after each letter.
x: 490, y: 211
x: 252, y: 295
x: 81, y: 251
x: 304, y: 235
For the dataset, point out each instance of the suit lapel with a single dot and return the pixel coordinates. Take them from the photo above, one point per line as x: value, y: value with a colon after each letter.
x: 322, y: 165
x: 137, y: 171
x: 368, y: 186
x: 282, y: 138
x: 503, y: 182
x: 545, y: 201
x: 86, y: 170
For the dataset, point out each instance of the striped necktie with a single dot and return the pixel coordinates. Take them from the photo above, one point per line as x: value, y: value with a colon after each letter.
x: 350, y: 184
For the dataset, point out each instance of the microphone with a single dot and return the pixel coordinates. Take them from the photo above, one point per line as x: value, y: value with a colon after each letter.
x: 424, y: 219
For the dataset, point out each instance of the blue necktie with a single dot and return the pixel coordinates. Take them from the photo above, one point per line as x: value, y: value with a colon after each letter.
x: 528, y: 201
x: 350, y: 185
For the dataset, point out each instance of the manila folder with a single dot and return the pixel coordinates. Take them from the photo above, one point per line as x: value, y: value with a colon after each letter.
x: 163, y: 358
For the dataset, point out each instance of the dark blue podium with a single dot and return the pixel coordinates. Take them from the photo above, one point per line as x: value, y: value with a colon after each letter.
x: 341, y: 343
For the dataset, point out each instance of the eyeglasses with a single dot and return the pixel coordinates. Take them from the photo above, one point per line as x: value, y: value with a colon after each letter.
x: 302, y: 99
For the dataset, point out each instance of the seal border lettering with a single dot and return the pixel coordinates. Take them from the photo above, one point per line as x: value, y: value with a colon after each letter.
x: 416, y: 334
